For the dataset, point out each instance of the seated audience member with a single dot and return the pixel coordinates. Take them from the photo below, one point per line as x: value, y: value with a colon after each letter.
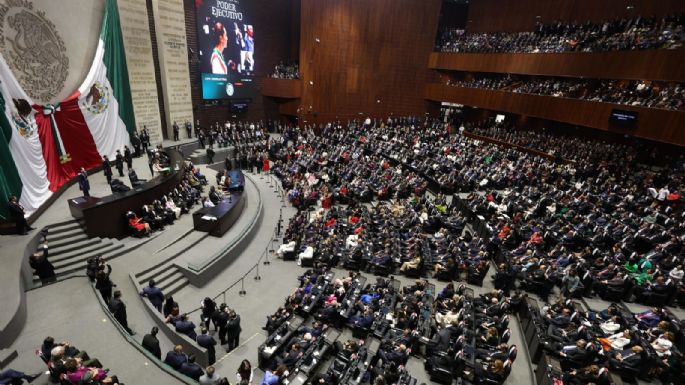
x: 273, y: 378
x: 175, y: 358
x: 185, y: 326
x: 191, y: 369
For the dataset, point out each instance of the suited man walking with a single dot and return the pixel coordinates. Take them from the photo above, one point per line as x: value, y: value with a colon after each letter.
x: 233, y: 331
x: 208, y: 342
x: 154, y: 295
x: 151, y: 343
x: 83, y: 183
x: 118, y: 310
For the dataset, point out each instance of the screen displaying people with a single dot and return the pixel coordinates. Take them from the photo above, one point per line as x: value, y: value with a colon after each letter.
x: 226, y: 42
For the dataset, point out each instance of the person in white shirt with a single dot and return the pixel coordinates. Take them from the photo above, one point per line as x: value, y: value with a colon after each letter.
x: 676, y: 273
x: 207, y: 203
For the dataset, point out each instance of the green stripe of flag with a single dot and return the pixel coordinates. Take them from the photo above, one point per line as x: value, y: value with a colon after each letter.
x: 10, y: 182
x: 115, y: 61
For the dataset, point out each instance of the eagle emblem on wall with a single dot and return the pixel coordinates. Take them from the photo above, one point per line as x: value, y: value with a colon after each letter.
x: 33, y: 49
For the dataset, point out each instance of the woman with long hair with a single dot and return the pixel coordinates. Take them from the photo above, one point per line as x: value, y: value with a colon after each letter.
x: 220, y: 41
x: 244, y: 373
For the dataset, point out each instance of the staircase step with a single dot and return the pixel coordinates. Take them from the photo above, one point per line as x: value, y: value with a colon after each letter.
x: 69, y: 222
x: 65, y: 235
x: 68, y: 241
x: 159, y: 275
x: 170, y: 281
x: 85, y: 247
x: 64, y: 229
x: 176, y: 287
x: 79, y: 264
x: 83, y: 254
x: 57, y: 253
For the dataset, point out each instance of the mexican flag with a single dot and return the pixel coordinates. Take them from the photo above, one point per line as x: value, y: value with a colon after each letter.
x: 43, y: 146
x: 23, y: 171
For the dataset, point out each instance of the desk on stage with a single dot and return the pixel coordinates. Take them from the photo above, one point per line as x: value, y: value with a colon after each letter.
x: 217, y: 220
x: 106, y: 217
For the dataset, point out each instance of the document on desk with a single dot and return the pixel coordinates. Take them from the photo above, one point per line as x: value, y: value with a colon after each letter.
x: 209, y: 217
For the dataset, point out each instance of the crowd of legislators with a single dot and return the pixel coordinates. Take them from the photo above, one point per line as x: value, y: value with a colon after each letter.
x: 636, y: 33
x: 670, y: 96
x: 603, y: 225
x: 286, y: 70
x: 605, y: 211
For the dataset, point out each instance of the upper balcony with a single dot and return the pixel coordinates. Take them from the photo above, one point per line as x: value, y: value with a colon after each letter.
x: 282, y: 88
x: 665, y: 65
x: 653, y: 123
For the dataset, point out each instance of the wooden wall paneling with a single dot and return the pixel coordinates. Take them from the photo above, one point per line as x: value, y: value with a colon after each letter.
x: 370, y: 58
x: 654, y: 124
x: 666, y: 65
x: 282, y: 88
x: 520, y: 15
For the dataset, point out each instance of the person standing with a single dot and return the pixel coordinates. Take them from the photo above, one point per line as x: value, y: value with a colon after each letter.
x: 128, y: 158
x: 220, y: 319
x: 18, y: 213
x: 42, y: 266
x: 151, y: 343
x: 175, y: 128
x: 135, y: 141
x: 207, y: 342
x: 245, y: 372
x: 154, y: 295
x: 83, y: 183
x: 201, y: 138
x: 145, y: 139
x: 189, y: 129
x: 118, y: 310
x: 210, y: 155
x: 119, y: 162
x: 233, y: 330
x: 107, y: 169
x: 102, y: 281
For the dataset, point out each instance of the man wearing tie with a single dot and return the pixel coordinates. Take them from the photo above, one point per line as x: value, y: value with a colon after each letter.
x: 83, y: 183
x: 17, y: 211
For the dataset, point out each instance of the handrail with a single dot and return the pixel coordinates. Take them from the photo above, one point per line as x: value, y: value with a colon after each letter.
x: 219, y: 254
x: 168, y: 369
x: 264, y: 256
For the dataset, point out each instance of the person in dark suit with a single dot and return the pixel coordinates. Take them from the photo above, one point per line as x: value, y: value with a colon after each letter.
x: 175, y: 128
x: 190, y: 368
x: 145, y: 139
x: 119, y: 163
x: 214, y: 196
x: 118, y: 309
x: 135, y: 141
x: 187, y: 327
x: 154, y: 295
x: 629, y: 358
x: 441, y: 340
x: 210, y: 154
x: 208, y: 342
x: 83, y: 183
x: 233, y: 330
x: 151, y: 343
x: 42, y: 266
x: 189, y: 129
x: 17, y: 212
x: 220, y: 319
x: 128, y: 158
x: 107, y: 169
x: 290, y: 359
x: 397, y: 355
x: 176, y: 357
